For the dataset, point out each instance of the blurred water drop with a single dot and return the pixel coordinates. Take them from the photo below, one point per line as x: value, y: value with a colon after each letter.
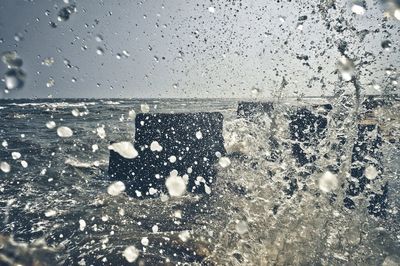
x: 11, y: 59
x: 50, y: 83
x: 386, y: 45
x: 131, y: 254
x: 116, y: 188
x: 14, y: 79
x: 100, y: 51
x: 396, y: 13
x: 64, y: 132
x: 48, y: 61
x: 346, y: 68
x: 126, y: 53
x: 99, y: 38
x: 65, y: 12
x: 15, y: 155
x: 358, y: 9
x: 18, y: 37
x: 255, y: 91
x: 51, y: 124
x: 242, y: 227
x: 5, y: 167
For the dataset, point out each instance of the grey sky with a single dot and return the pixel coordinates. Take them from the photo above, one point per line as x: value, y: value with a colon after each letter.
x: 181, y: 49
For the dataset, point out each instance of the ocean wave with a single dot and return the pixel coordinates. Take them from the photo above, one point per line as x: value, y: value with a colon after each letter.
x: 54, y: 105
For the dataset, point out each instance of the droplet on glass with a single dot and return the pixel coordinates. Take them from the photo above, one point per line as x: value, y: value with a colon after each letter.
x: 11, y: 59
x: 358, y: 9
x: 5, y: 167
x: 386, y: 45
x: 100, y: 51
x: 99, y: 38
x: 14, y: 79
x: 48, y: 61
x: 65, y: 12
x: 64, y: 132
x: 50, y: 83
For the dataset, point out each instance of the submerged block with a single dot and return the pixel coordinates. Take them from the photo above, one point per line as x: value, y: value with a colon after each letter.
x: 307, y: 129
x: 190, y: 144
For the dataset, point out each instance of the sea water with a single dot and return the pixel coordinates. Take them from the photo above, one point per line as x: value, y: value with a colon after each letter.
x: 57, y: 209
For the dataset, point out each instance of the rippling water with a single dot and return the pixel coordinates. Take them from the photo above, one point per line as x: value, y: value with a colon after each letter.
x: 60, y: 206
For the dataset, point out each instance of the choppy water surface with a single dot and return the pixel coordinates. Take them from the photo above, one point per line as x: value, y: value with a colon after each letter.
x: 55, y: 208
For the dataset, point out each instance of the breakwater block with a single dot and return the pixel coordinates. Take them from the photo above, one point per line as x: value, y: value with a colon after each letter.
x: 187, y: 143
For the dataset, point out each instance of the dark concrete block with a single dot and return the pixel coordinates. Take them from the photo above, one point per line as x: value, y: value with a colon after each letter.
x: 176, y: 133
x: 367, y: 151
x: 307, y: 128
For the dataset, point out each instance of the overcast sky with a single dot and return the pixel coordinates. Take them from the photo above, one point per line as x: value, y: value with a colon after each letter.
x: 190, y: 48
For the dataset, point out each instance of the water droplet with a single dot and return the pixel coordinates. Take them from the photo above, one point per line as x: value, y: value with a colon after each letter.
x: 126, y: 53
x: 64, y: 132
x: 131, y: 254
x: 5, y: 167
x: 51, y: 124
x: 116, y: 188
x: 50, y: 83
x: 155, y: 146
x: 100, y: 51
x: 65, y: 12
x: 48, y: 61
x: 241, y: 227
x: 145, y: 108
x: 386, y: 45
x: 176, y: 185
x: 11, y: 59
x: 82, y: 225
x: 346, y: 68
x: 224, y: 162
x: 14, y: 79
x: 125, y: 149
x: 396, y: 13
x: 18, y: 37
x: 358, y: 9
x: 328, y: 182
x: 15, y: 155
x: 370, y: 172
x: 255, y: 91
x: 99, y: 38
